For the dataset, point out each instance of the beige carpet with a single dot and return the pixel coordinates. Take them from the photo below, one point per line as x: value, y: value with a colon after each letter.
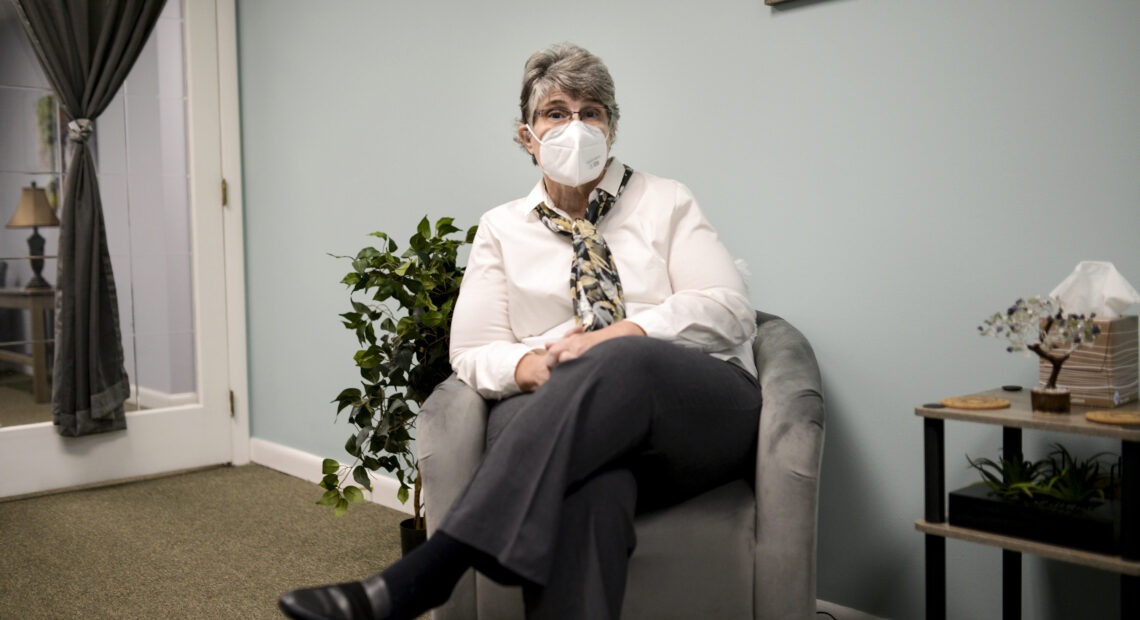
x: 217, y: 543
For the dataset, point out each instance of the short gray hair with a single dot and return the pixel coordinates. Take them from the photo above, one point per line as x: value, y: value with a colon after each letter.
x: 572, y: 70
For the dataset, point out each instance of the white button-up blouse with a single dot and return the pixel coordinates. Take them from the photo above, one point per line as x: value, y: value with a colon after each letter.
x: 680, y: 282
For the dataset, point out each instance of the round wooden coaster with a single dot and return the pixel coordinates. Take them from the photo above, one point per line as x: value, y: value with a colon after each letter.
x: 977, y: 403
x: 1114, y: 417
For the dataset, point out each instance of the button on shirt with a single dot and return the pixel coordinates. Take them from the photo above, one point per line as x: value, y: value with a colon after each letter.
x: 680, y: 282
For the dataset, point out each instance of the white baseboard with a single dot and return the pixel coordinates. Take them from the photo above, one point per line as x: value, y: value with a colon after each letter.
x: 148, y: 398
x: 308, y: 467
x: 840, y: 612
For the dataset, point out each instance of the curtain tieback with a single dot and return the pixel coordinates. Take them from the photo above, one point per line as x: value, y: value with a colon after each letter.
x: 80, y: 129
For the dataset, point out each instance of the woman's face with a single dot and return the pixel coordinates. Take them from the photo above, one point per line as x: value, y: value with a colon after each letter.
x: 557, y: 109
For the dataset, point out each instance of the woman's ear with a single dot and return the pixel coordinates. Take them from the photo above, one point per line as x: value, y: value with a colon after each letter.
x: 527, y: 140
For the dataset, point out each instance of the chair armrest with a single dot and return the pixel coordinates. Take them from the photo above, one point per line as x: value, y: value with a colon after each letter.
x: 789, y: 454
x: 450, y: 433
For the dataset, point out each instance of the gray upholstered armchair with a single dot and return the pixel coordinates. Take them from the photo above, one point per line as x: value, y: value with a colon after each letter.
x: 733, y: 552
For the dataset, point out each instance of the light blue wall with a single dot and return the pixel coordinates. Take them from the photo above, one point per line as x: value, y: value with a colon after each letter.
x: 892, y: 170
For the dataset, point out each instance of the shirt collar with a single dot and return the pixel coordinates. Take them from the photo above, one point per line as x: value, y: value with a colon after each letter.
x: 611, y: 181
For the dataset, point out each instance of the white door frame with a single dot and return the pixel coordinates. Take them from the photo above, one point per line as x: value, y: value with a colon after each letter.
x: 34, y: 458
x: 233, y: 228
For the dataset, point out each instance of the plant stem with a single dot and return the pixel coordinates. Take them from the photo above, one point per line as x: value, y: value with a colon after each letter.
x: 417, y: 506
x: 1055, y: 360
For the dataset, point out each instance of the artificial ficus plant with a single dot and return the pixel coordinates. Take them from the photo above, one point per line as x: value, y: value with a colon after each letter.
x: 401, y: 317
x: 1040, y: 325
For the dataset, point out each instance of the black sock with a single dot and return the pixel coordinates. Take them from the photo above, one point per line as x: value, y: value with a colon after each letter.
x: 424, y: 578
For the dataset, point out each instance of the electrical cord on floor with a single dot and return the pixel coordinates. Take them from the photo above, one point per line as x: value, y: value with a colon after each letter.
x: 824, y: 613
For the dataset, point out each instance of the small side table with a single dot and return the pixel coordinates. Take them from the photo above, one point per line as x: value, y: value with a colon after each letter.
x: 37, y: 302
x: 1018, y: 416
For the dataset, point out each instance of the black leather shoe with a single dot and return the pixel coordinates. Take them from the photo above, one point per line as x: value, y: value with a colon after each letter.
x: 359, y: 600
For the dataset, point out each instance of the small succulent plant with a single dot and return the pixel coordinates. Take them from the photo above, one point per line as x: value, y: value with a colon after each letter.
x: 1060, y: 481
x: 1009, y: 478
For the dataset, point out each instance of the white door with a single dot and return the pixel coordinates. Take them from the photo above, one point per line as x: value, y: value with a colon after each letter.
x: 205, y: 424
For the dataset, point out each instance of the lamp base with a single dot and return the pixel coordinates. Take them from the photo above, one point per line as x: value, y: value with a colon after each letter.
x: 36, y: 251
x: 38, y: 282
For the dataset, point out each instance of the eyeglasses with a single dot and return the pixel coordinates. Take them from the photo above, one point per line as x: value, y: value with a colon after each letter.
x: 558, y: 115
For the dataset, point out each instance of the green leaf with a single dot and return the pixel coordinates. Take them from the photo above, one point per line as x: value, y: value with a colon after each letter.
x: 444, y: 226
x: 330, y: 466
x: 402, y: 494
x: 341, y: 508
x: 368, y: 358
x: 329, y: 498
x: 352, y: 447
x: 353, y: 495
x: 349, y: 394
x: 376, y: 444
x: 360, y: 475
x: 368, y: 252
x: 352, y: 320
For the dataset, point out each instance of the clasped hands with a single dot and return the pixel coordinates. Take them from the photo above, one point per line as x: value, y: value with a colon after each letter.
x: 534, y: 368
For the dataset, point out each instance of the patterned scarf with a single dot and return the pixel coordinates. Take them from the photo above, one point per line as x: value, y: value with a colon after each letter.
x: 594, y: 283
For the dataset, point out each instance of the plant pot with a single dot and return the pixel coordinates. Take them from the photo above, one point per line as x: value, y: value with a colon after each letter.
x: 410, y: 537
x: 1095, y: 528
x: 1050, y: 401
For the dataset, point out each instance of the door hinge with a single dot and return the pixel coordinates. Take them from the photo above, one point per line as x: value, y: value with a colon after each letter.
x: 225, y: 193
x: 232, y: 408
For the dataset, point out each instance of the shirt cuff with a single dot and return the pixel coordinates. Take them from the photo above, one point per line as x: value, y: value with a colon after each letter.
x: 654, y: 325
x: 495, y: 379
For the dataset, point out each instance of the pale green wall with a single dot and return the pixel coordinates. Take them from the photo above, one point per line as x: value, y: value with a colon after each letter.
x: 892, y: 170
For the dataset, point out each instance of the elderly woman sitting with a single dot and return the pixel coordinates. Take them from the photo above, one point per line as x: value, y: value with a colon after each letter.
x: 633, y: 387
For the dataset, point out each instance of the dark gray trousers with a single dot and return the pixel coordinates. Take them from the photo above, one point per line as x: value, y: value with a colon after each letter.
x: 634, y: 424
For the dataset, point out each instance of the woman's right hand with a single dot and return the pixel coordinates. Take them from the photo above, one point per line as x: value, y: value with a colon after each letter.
x: 532, y: 370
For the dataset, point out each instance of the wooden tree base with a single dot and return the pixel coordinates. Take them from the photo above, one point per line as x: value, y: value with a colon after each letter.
x: 1050, y: 401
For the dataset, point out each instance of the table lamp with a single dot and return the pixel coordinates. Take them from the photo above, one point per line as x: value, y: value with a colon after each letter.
x: 34, y: 211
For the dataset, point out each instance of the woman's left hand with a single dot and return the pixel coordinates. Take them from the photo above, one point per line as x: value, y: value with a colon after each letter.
x: 576, y: 341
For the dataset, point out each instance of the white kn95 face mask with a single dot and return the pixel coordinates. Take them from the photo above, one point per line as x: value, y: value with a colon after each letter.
x: 572, y: 154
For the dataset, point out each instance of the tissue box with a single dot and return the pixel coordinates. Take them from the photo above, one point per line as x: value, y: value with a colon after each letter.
x: 1106, y: 374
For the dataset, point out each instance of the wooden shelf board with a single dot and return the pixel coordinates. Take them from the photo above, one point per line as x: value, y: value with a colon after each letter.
x: 1111, y: 563
x: 1020, y: 415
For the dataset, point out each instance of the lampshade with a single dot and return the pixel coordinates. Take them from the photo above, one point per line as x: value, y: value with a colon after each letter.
x: 33, y: 210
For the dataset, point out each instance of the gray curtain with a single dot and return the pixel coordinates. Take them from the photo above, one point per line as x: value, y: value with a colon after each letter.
x: 86, y: 49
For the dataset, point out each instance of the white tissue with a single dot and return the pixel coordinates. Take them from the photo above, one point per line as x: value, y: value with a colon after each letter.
x: 1096, y: 287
